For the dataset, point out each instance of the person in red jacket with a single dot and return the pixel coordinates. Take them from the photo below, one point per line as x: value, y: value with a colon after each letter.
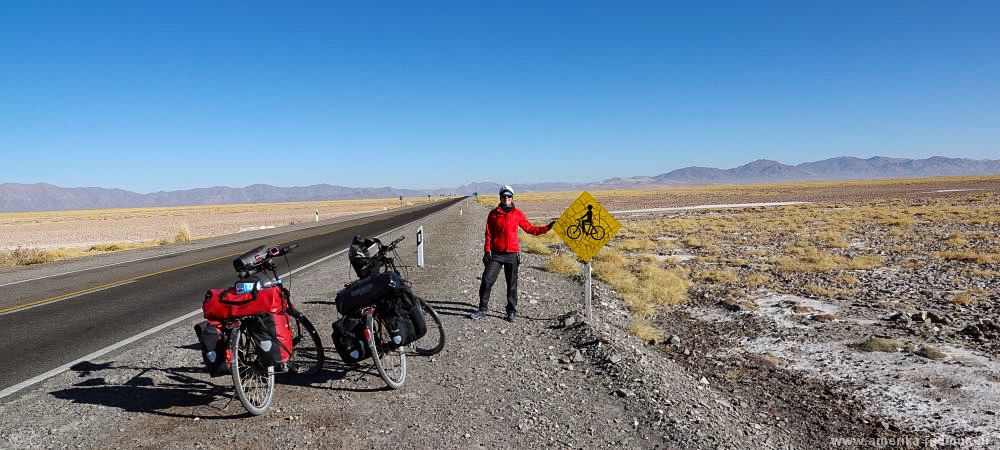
x: 501, y: 251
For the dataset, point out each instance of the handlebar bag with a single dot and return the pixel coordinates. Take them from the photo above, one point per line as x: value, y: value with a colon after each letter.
x: 368, y: 291
x: 349, y: 339
x: 222, y: 304
x: 214, y: 347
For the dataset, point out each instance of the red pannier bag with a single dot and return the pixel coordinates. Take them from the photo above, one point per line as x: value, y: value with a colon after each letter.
x: 222, y: 304
x: 283, y: 328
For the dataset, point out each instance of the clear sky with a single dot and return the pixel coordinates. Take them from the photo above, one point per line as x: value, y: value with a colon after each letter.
x: 149, y: 96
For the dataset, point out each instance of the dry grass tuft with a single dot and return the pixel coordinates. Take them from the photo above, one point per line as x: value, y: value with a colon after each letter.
x: 562, y: 264
x: 716, y: 276
x: 183, y: 234
x: 663, y: 286
x: 976, y: 257
x: 986, y: 273
x: 809, y: 260
x: 864, y: 262
x: 636, y: 245
x: 964, y: 298
x: 25, y: 257
x: 956, y: 240
x: 757, y: 279
x: 831, y: 239
x: 531, y: 244
x: 846, y: 278
x: 643, y: 329
x: 816, y: 290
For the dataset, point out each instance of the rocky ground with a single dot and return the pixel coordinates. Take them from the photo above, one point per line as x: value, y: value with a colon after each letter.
x: 549, y: 379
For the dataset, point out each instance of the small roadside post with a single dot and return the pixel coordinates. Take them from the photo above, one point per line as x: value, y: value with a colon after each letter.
x: 317, y: 215
x: 420, y: 246
x: 586, y: 227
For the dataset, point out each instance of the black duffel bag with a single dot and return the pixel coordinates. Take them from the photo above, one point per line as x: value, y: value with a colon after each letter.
x: 368, y: 291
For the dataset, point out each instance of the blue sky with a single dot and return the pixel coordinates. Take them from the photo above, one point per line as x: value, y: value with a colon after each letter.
x: 150, y: 96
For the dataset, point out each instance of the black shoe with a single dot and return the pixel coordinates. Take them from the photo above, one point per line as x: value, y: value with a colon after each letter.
x: 511, y: 316
x: 478, y: 315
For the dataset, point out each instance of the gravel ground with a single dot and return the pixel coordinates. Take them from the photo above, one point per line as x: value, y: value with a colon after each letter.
x: 550, y: 379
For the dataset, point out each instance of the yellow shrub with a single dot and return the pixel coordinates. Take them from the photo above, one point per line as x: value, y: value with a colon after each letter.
x: 562, y: 264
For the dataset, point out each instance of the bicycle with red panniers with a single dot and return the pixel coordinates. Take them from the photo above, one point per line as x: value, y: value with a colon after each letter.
x: 253, y: 330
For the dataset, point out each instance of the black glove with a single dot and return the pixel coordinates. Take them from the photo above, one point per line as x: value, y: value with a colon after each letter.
x: 487, y: 257
x: 552, y: 224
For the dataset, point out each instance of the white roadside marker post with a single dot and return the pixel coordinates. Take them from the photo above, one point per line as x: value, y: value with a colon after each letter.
x: 317, y: 215
x: 420, y: 246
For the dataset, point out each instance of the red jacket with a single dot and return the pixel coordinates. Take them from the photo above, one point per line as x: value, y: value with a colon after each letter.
x: 501, y: 230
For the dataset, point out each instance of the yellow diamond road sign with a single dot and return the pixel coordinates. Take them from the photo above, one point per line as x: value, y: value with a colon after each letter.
x: 586, y: 226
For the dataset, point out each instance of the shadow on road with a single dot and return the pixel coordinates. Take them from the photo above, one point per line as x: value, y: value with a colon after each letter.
x: 187, y: 392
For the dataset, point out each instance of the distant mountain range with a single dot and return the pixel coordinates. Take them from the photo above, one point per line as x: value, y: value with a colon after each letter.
x: 47, y: 197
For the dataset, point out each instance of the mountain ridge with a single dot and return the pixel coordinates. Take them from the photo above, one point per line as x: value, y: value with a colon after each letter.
x: 16, y: 197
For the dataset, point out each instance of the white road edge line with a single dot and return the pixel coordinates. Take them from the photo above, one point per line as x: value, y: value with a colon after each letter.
x: 120, y: 344
x: 67, y: 298
x: 101, y: 352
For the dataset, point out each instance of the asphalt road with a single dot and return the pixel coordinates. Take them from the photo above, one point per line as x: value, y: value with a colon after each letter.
x: 79, y: 313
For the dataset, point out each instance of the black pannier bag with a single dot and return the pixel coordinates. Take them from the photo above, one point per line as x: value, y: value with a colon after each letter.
x: 404, y: 319
x: 349, y: 339
x: 213, y: 348
x: 367, y: 291
x: 263, y: 330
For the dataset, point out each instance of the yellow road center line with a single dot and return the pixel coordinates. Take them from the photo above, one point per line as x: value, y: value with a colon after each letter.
x: 108, y: 285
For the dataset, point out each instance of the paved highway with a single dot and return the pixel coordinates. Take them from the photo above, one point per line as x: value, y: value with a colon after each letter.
x: 53, y: 321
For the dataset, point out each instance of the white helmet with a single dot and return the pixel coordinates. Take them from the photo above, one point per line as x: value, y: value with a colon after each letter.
x: 507, y: 188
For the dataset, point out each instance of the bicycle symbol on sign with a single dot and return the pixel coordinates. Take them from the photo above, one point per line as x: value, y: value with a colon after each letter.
x: 585, y: 226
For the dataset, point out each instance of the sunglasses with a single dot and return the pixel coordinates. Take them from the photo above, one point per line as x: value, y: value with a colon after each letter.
x: 508, y: 196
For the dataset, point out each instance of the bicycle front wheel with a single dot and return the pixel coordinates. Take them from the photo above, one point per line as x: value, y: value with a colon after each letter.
x: 597, y: 233
x: 254, y: 382
x: 433, y: 342
x: 390, y: 361
x: 573, y: 232
x: 307, y: 349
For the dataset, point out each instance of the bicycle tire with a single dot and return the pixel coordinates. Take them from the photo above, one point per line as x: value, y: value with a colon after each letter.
x: 573, y: 232
x: 307, y: 348
x: 433, y: 342
x: 254, y: 384
x: 597, y: 232
x: 375, y: 335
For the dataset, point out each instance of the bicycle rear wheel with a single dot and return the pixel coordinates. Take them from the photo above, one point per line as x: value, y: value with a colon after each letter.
x: 307, y: 349
x: 433, y: 342
x: 254, y: 383
x: 390, y: 361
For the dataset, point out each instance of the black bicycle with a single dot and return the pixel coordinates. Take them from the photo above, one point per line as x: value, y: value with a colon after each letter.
x: 381, y: 277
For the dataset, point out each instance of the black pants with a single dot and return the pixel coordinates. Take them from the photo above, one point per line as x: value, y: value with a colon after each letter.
x: 509, y: 263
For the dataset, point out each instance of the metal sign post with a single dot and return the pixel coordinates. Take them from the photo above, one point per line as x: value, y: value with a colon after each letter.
x: 587, y: 292
x: 420, y: 246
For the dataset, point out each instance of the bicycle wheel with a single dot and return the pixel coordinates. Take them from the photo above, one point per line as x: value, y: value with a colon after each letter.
x: 307, y: 350
x: 433, y: 342
x: 390, y: 361
x: 254, y: 383
x: 597, y: 232
x: 573, y: 231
